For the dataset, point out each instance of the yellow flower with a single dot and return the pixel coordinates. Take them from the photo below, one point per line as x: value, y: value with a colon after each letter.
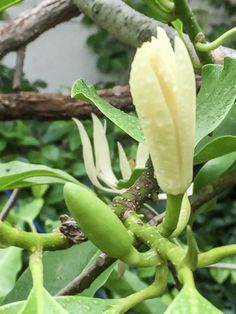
x: 163, y: 88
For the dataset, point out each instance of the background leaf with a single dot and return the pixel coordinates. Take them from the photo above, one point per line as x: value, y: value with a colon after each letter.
x: 217, y: 147
x: 216, y: 96
x: 10, y: 264
x: 130, y: 283
x: 60, y: 268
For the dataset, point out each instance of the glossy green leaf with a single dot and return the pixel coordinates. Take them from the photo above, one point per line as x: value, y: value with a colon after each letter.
x: 60, y: 268
x: 216, y: 97
x: 217, y: 147
x: 190, y: 301
x: 212, y: 170
x: 10, y: 264
x: 4, y: 4
x: 70, y: 304
x: 128, y: 123
x: 17, y: 174
x: 40, y: 302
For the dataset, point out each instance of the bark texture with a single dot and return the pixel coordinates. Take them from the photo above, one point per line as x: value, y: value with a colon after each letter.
x: 33, y: 22
x: 42, y: 106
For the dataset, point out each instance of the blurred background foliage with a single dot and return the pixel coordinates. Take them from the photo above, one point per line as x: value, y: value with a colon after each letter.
x: 57, y: 144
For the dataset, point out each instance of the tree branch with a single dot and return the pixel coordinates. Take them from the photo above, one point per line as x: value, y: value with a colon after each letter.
x: 33, y: 22
x: 84, y: 280
x: 117, y: 17
x: 114, y: 16
x: 42, y: 106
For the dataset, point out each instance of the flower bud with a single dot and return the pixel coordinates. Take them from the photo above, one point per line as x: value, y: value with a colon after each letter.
x: 162, y: 84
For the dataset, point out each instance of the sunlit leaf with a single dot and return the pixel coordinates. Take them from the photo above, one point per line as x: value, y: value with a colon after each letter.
x: 127, y: 122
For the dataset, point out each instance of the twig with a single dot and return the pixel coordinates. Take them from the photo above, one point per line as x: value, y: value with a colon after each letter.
x: 20, y: 57
x: 9, y: 204
x: 31, y: 23
x: 48, y: 106
x: 84, y: 280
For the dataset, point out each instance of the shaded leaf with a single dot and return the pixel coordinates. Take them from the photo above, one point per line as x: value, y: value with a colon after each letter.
x: 216, y: 97
x: 217, y: 147
x: 60, y: 268
x: 10, y: 264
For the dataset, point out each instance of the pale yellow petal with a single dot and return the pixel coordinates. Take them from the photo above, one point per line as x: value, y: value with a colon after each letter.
x: 185, y: 110
x: 163, y: 63
x: 155, y: 119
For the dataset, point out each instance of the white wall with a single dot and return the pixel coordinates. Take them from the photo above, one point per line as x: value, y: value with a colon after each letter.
x: 60, y: 55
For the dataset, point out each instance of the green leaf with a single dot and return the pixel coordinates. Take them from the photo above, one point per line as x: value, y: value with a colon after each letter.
x: 71, y: 304
x: 134, y: 176
x: 17, y: 174
x: 29, y: 210
x: 128, y: 123
x: 51, y: 152
x: 220, y: 275
x: 217, y: 147
x: 4, y: 4
x: 98, y: 282
x: 10, y: 264
x: 216, y: 97
x: 212, y: 170
x: 178, y: 25
x: 40, y: 302
x: 190, y: 301
x: 60, y: 268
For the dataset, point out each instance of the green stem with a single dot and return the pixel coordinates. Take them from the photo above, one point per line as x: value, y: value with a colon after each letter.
x: 153, y: 291
x: 173, y: 208
x: 36, y: 268
x: 151, y: 235
x: 184, y: 12
x: 215, y: 255
x: 206, y: 47
x: 145, y: 259
x: 186, y: 277
x: 10, y: 236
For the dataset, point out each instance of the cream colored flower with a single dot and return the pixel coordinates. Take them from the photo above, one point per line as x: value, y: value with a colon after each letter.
x: 163, y: 88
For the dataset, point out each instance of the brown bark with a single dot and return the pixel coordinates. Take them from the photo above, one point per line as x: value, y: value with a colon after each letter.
x: 42, y: 106
x: 33, y: 22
